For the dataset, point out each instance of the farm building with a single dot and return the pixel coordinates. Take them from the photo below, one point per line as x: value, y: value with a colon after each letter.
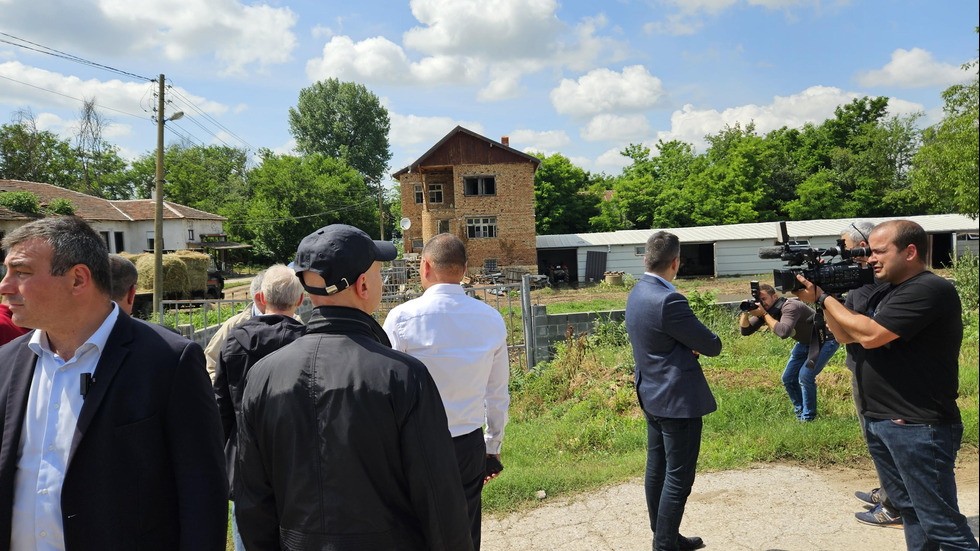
x: 731, y: 250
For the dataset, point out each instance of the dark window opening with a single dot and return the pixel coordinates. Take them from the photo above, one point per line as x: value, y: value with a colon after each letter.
x: 479, y: 185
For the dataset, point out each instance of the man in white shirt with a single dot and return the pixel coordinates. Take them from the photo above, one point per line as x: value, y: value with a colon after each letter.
x: 463, y: 343
x: 111, y: 437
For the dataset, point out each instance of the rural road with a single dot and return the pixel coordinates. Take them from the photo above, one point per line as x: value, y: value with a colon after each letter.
x: 778, y: 507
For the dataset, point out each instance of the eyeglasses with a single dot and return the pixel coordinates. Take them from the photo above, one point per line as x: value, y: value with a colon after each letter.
x: 866, y: 240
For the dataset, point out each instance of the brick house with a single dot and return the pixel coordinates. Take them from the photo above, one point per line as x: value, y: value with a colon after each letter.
x: 477, y: 189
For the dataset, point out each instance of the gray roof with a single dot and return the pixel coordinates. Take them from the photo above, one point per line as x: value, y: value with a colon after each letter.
x: 803, y: 229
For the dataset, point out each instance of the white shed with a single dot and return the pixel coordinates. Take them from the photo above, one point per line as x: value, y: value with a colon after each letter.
x: 733, y: 249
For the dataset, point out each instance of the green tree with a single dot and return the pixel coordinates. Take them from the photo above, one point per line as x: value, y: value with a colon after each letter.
x: 33, y: 155
x: 23, y: 202
x: 945, y: 169
x: 345, y: 121
x: 290, y: 197
x: 204, y: 177
x: 562, y: 200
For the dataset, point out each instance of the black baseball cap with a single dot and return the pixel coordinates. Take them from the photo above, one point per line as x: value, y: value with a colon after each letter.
x: 339, y: 254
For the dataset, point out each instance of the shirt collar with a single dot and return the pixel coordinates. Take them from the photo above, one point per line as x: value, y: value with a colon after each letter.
x: 670, y: 286
x: 445, y: 289
x: 39, y: 340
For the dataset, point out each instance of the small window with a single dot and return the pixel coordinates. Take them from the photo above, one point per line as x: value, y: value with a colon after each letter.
x: 641, y: 250
x: 478, y: 228
x: 444, y: 226
x: 190, y: 234
x: 416, y: 244
x: 419, y: 197
x: 479, y: 185
x: 119, y: 241
x: 435, y: 193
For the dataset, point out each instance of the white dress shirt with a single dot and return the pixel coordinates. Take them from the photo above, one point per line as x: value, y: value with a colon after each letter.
x: 463, y: 342
x: 49, y: 426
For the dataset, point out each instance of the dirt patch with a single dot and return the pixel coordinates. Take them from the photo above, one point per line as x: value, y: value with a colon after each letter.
x: 725, y: 289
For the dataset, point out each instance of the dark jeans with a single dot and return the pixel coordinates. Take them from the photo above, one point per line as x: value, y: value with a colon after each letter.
x: 915, y: 465
x: 471, y: 455
x: 672, y: 458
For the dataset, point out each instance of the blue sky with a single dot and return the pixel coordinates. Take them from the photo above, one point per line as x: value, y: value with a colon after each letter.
x: 580, y: 78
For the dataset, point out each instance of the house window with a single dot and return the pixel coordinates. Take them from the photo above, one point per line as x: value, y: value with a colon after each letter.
x: 444, y: 226
x: 435, y: 193
x: 479, y: 185
x: 118, y: 237
x: 149, y: 241
x: 418, y: 195
x: 477, y: 228
x: 640, y: 250
x: 105, y: 237
x: 416, y: 244
x: 190, y: 234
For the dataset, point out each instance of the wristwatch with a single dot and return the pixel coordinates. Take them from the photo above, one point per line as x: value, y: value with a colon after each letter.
x: 821, y: 299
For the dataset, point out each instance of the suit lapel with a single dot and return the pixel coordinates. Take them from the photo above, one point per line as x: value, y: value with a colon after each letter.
x: 115, y: 352
x: 21, y: 375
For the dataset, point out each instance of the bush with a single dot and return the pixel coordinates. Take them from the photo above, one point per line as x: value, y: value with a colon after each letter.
x: 23, y: 202
x: 966, y: 275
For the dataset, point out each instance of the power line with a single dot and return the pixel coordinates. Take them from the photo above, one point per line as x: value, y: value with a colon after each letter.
x: 294, y: 218
x: 208, y: 117
x: 40, y: 48
x: 69, y: 97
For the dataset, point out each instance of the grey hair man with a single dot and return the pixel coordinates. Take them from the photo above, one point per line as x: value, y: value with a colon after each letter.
x: 468, y: 361
x: 281, y: 293
x: 213, y: 349
x: 124, y: 276
x: 97, y: 404
x: 343, y: 442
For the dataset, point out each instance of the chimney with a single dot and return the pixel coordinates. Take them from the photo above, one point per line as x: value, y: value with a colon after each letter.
x: 505, y: 140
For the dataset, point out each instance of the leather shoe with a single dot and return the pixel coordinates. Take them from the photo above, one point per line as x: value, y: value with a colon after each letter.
x: 686, y: 544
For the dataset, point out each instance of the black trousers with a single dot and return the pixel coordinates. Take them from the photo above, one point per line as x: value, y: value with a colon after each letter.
x: 471, y: 455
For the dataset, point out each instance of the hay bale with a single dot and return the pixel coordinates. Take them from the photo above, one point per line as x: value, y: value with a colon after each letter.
x: 197, y: 269
x: 175, y: 282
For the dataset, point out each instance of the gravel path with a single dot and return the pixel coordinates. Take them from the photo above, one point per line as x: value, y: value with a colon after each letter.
x: 772, y: 507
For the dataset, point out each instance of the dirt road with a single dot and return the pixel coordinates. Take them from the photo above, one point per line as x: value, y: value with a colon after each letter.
x: 771, y: 507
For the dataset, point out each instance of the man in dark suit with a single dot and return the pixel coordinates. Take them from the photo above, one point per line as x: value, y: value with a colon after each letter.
x: 674, y: 395
x: 110, y: 437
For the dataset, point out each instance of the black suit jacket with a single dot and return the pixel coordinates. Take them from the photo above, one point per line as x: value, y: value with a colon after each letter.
x: 665, y: 333
x: 145, y: 467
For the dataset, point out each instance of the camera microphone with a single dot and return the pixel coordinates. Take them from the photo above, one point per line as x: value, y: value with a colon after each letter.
x: 771, y: 252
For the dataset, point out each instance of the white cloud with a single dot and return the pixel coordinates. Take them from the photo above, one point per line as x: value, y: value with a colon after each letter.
x: 815, y: 104
x: 491, y: 43
x: 546, y: 141
x: 687, y: 19
x: 407, y: 130
x: 612, y: 161
x: 915, y: 68
x: 604, y: 91
x: 614, y: 127
x: 68, y: 91
x: 236, y: 34
x: 508, y: 28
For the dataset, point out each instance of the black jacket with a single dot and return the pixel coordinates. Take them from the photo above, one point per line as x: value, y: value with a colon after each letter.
x: 344, y: 445
x: 246, y: 344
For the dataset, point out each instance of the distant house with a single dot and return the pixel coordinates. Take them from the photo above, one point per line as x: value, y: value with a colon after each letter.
x: 477, y: 189
x: 730, y: 250
x: 125, y: 225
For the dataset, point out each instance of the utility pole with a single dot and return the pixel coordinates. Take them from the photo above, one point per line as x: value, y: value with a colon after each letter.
x: 158, y: 216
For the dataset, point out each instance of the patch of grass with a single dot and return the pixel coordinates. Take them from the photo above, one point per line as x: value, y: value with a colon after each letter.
x: 575, y: 424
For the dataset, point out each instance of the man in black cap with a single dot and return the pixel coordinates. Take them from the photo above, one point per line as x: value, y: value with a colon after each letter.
x: 343, y: 442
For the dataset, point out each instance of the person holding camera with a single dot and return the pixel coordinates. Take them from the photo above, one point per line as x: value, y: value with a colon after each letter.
x: 908, y: 377
x: 792, y: 319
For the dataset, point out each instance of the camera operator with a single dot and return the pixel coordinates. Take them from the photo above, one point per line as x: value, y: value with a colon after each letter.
x: 792, y: 319
x: 883, y: 513
x: 908, y: 378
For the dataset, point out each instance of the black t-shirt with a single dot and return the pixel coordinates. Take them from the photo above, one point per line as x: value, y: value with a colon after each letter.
x: 857, y: 301
x: 916, y: 376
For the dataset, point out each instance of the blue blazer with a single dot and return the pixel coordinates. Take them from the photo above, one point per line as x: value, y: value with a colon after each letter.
x: 665, y: 333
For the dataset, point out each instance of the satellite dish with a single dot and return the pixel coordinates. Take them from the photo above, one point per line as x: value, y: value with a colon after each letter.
x: 405, y: 224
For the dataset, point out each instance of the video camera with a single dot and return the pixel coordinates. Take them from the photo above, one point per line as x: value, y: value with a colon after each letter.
x: 834, y: 278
